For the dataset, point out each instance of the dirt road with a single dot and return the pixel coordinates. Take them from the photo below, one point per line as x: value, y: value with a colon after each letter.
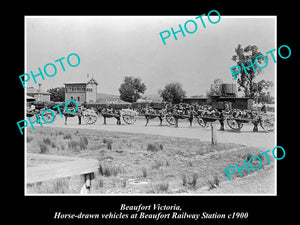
x: 245, y: 136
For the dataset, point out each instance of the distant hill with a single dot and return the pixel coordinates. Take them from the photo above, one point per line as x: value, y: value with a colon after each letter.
x: 110, y: 98
x: 152, y: 97
x: 107, y: 96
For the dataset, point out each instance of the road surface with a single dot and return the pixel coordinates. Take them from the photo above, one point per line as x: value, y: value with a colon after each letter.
x: 260, y: 139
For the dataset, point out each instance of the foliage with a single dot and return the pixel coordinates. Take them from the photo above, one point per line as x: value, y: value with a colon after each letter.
x: 57, y: 94
x: 262, y: 91
x: 43, y: 148
x: 77, y: 145
x: 247, y: 82
x: 213, y: 183
x: 131, y: 88
x: 154, y: 147
x: 215, y: 88
x: 160, y: 187
x: 108, y: 142
x: 144, y: 170
x: 67, y: 136
x: 190, y: 181
x: 173, y: 93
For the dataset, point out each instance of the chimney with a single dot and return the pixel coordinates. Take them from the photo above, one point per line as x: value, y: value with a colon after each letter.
x: 39, y: 90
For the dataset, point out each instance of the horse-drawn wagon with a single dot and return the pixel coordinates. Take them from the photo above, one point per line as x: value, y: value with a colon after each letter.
x: 117, y: 111
x: 151, y: 110
x: 205, y: 113
x: 33, y: 113
x: 89, y: 116
x: 236, y: 118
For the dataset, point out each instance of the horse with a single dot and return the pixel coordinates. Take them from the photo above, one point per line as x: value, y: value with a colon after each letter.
x: 77, y: 113
x: 207, y: 113
x: 150, y: 113
x: 109, y: 113
x: 236, y: 118
x: 183, y: 111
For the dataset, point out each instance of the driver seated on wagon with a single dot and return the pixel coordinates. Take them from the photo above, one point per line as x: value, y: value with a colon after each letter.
x: 210, y: 110
x: 149, y: 109
x: 179, y: 109
x: 110, y: 109
x: 71, y: 105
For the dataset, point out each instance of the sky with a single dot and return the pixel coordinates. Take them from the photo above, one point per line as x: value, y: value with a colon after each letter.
x: 111, y: 47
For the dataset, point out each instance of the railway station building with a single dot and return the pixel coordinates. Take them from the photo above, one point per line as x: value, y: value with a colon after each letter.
x: 82, y: 92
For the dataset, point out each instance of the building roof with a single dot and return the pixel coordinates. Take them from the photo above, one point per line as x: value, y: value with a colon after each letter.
x: 33, y: 91
x: 90, y: 81
x: 79, y: 83
x: 29, y: 98
x: 42, y: 93
x: 196, y: 98
x: 38, y: 93
x: 232, y: 97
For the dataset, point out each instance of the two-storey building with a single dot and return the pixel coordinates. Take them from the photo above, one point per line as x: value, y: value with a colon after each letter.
x: 82, y: 92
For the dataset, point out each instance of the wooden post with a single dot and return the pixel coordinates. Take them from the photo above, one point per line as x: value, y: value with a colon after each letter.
x: 213, y: 134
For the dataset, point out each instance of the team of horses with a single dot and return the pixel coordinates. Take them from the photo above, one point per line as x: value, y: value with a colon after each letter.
x: 172, y: 114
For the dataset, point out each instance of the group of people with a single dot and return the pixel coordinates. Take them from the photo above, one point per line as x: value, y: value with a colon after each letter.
x: 182, y: 109
x: 110, y: 110
x: 197, y: 109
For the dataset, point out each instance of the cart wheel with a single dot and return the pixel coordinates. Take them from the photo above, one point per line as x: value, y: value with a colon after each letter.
x: 90, y: 119
x: 267, y: 123
x: 234, y: 125
x: 201, y: 121
x: 47, y: 116
x: 170, y: 119
x: 129, y: 119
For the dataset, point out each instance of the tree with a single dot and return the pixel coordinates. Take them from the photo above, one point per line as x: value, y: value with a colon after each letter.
x: 262, y: 93
x: 57, y: 94
x: 131, y: 88
x: 246, y: 82
x: 173, y: 92
x: 215, y: 88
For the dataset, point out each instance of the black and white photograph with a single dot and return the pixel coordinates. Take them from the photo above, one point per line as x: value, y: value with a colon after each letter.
x: 151, y: 105
x: 182, y: 115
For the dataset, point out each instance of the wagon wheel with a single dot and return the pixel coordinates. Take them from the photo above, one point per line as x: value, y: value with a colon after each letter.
x: 170, y: 119
x: 201, y: 121
x: 47, y: 116
x: 234, y: 124
x: 90, y: 119
x: 267, y: 123
x: 129, y: 119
